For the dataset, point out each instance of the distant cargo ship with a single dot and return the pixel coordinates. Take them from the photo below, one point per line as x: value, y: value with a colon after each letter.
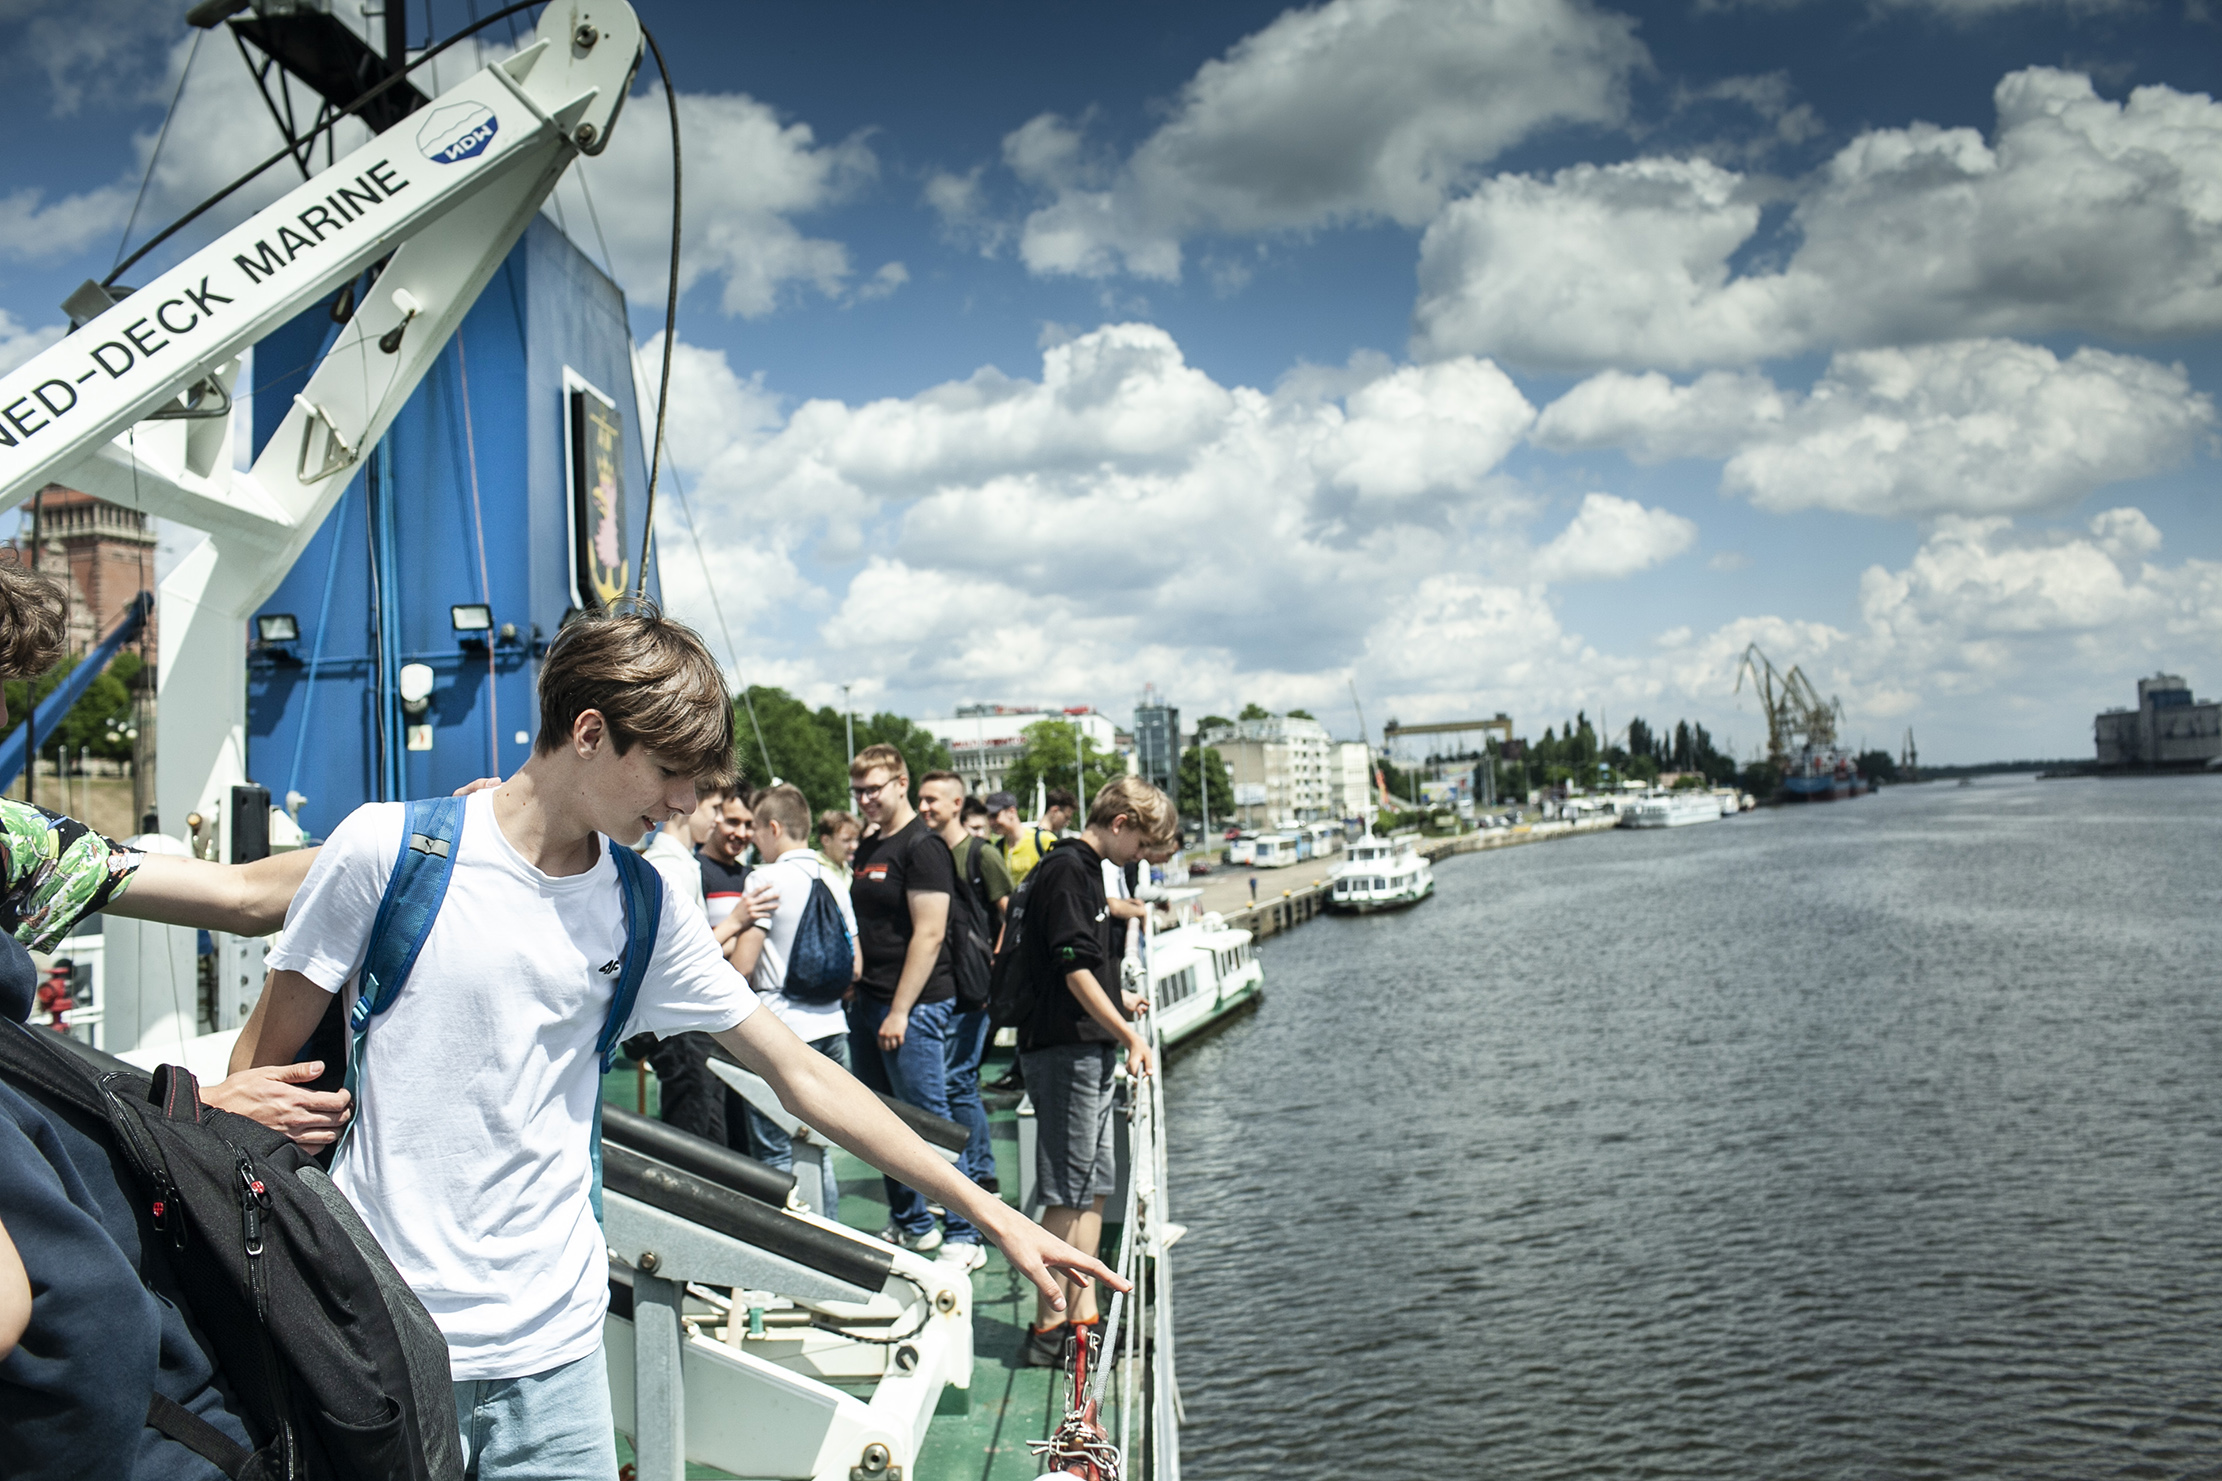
x: 1822, y: 774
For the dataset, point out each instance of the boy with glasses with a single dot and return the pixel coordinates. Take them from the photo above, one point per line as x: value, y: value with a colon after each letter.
x: 905, y: 1009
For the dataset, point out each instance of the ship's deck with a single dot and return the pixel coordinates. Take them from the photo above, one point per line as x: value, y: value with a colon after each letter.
x: 980, y: 1435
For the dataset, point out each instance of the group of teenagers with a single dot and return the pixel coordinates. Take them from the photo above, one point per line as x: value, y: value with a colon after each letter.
x: 924, y: 874
x: 466, y: 1142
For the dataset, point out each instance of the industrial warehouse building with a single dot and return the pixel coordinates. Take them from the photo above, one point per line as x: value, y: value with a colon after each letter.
x: 2168, y: 729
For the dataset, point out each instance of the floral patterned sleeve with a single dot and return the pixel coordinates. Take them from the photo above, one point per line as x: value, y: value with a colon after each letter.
x: 56, y: 871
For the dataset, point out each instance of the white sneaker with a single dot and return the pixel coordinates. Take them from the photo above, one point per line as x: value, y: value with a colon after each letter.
x: 967, y: 1255
x: 924, y: 1244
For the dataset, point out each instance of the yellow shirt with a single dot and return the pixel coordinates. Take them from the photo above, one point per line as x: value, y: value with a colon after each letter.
x: 1023, y: 853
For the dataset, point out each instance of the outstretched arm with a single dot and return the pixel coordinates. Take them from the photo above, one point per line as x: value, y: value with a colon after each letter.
x: 831, y: 1100
x: 245, y: 899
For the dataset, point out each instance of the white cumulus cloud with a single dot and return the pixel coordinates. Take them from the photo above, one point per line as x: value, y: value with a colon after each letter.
x: 1969, y: 427
x: 2079, y: 214
x: 1610, y: 537
x: 748, y: 176
x: 1351, y: 110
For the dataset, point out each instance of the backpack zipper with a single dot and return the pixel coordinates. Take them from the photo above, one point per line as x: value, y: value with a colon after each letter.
x: 254, y: 1200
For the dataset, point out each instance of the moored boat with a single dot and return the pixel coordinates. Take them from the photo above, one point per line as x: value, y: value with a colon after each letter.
x: 1380, y: 874
x: 1671, y: 810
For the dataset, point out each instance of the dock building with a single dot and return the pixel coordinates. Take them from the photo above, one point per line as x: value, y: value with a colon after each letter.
x: 2169, y: 729
x: 1157, y: 741
x: 1279, y: 766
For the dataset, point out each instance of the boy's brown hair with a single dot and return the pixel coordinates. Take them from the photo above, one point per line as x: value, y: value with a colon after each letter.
x: 654, y: 683
x: 786, y: 806
x: 34, y: 614
x: 881, y: 755
x: 833, y: 820
x: 1144, y: 806
x: 943, y: 776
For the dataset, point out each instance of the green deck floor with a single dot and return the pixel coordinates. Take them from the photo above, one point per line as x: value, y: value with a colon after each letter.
x: 977, y: 1436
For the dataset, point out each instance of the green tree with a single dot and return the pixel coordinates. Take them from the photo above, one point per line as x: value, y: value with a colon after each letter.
x: 809, y: 748
x: 1256, y: 712
x: 1049, y: 760
x: 922, y: 751
x: 1201, y: 766
x: 1212, y: 722
x: 1878, y: 766
x: 1300, y: 715
x: 805, y: 747
x: 103, y: 710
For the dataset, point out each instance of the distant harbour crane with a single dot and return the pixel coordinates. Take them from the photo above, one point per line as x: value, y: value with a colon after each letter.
x: 1797, y: 716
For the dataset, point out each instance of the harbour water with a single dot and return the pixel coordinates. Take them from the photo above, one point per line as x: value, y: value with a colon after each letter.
x: 1877, y: 1139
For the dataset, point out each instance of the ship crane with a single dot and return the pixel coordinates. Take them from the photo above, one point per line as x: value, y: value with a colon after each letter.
x: 400, y: 236
x: 1796, y: 714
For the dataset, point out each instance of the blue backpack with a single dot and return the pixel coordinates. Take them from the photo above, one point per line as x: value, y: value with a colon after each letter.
x: 820, y: 963
x: 430, y: 833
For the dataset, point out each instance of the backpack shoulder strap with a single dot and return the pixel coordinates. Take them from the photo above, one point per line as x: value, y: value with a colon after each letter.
x: 643, y: 890
x: 431, y: 829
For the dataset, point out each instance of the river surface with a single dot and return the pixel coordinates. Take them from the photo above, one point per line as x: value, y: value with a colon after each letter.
x: 1874, y: 1139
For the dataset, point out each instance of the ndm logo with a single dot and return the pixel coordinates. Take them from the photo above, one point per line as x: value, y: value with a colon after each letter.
x: 457, y: 132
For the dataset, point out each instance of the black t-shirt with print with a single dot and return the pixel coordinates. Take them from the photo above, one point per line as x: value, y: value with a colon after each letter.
x: 886, y: 871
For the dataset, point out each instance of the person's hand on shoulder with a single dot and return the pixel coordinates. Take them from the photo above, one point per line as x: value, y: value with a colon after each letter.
x: 277, y: 1096
x: 760, y: 901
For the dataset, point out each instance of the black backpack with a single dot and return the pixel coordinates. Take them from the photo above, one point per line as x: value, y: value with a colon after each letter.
x: 820, y: 963
x: 338, y: 1371
x: 971, y: 940
x: 1011, y: 979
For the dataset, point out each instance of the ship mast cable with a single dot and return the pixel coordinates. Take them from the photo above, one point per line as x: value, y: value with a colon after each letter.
x: 393, y: 79
x: 316, y: 654
x: 671, y: 314
x: 678, y: 484
x: 485, y: 587
x: 159, y: 139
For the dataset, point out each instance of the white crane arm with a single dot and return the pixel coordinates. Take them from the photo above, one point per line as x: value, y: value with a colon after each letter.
x: 445, y: 194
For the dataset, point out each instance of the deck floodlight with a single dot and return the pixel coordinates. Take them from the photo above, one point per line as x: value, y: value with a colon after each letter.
x: 471, y: 617
x: 278, y: 627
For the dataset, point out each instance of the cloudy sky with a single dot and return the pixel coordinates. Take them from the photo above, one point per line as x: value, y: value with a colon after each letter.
x: 1515, y: 355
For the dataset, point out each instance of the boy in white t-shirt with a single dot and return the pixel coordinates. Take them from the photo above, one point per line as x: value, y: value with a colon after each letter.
x: 470, y: 1155
x: 790, y: 869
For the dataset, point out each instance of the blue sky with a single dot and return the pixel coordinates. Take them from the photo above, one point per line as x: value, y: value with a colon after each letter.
x: 1527, y: 355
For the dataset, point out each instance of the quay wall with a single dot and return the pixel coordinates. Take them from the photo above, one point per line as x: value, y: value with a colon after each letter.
x: 1270, y: 917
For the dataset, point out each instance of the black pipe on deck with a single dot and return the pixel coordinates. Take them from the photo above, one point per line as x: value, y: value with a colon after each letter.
x: 698, y: 1155
x: 662, y: 1186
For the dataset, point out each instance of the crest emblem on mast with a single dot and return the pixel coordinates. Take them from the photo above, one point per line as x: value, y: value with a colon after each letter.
x: 456, y: 132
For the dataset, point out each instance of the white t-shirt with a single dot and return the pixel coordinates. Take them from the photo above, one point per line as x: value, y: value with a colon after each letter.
x: 470, y: 1157
x: 792, y: 873
x: 679, y: 867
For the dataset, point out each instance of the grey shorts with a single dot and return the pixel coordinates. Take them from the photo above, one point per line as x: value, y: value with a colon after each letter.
x: 1071, y: 1087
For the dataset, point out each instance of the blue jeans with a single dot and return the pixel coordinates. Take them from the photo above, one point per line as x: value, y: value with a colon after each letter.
x: 916, y: 1074
x: 552, y: 1426
x: 968, y: 1044
x: 775, y: 1148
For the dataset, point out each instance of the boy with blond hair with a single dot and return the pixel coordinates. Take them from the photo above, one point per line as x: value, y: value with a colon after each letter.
x: 470, y: 1153
x: 1082, y: 1020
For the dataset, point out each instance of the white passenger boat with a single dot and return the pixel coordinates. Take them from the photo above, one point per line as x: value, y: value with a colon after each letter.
x: 1381, y: 874
x: 1670, y: 810
x: 1201, y: 969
